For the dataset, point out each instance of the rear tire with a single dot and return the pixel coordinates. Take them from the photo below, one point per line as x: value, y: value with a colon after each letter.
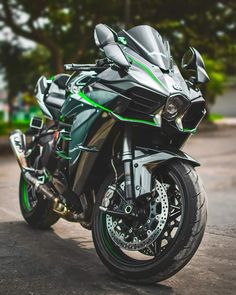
x: 40, y: 215
x: 183, y: 248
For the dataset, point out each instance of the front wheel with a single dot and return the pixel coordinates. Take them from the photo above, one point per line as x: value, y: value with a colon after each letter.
x: 169, y: 228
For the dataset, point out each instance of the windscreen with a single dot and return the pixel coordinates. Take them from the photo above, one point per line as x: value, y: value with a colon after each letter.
x: 149, y: 43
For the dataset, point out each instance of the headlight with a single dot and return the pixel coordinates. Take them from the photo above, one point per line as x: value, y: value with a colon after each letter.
x: 175, y: 106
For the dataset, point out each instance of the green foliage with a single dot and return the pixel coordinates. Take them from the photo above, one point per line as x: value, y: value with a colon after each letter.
x: 215, y: 117
x: 5, y: 128
x: 39, y: 63
x: 216, y: 72
x: 63, y: 32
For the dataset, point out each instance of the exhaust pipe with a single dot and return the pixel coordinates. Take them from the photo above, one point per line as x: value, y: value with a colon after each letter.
x: 18, y: 144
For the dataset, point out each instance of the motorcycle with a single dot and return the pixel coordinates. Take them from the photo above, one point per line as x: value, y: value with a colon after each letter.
x: 108, y: 156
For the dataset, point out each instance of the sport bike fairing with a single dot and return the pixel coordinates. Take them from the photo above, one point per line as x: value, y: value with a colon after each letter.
x: 142, y: 75
x: 149, y: 44
x: 136, y: 95
x: 151, y: 61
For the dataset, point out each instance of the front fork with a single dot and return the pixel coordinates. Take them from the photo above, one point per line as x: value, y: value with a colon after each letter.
x: 127, y: 159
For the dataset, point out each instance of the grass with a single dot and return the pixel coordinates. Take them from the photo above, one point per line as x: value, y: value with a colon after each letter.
x: 215, y: 117
x: 6, y: 128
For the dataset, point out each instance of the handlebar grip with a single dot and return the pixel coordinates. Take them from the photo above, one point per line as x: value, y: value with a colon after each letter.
x: 68, y: 67
x: 78, y: 67
x: 84, y: 67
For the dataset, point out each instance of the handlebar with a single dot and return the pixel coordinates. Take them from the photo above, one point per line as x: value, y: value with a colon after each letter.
x: 84, y: 67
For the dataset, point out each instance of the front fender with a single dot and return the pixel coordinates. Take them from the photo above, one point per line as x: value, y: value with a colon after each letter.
x: 147, y: 160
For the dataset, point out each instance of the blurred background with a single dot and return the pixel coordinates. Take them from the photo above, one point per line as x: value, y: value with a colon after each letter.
x: 38, y: 37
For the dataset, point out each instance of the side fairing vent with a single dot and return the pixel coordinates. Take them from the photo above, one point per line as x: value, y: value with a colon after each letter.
x: 144, y: 101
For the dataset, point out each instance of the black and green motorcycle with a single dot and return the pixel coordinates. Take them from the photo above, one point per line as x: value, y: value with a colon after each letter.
x: 109, y: 154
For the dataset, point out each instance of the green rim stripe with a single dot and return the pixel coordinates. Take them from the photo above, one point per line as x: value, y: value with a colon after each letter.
x: 25, y: 196
x: 110, y: 111
x: 107, y: 243
x: 146, y: 69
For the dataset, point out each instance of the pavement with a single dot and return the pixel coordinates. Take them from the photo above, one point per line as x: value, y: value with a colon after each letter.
x: 225, y: 103
x: 63, y: 260
x: 4, y: 145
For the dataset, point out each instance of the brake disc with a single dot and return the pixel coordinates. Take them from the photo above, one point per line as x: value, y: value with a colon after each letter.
x: 146, y: 230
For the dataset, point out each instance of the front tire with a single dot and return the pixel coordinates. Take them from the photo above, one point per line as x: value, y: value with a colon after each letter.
x: 182, y: 247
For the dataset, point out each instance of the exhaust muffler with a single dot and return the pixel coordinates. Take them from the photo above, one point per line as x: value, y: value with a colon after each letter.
x: 18, y: 145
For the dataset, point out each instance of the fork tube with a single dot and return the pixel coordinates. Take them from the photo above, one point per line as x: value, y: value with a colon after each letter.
x: 127, y: 158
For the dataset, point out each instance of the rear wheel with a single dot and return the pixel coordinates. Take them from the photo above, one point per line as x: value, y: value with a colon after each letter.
x: 167, y: 232
x: 36, y: 211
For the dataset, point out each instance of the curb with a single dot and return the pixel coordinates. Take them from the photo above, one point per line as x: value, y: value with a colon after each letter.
x: 230, y: 121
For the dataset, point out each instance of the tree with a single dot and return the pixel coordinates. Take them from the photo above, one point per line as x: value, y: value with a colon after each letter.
x: 64, y: 28
x: 11, y: 62
x: 21, y: 68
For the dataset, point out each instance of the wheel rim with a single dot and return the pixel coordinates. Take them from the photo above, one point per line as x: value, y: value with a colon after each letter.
x: 29, y: 197
x: 166, y: 239
x: 144, y: 230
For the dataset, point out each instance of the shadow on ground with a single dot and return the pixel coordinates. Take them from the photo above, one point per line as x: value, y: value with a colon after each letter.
x: 40, y: 262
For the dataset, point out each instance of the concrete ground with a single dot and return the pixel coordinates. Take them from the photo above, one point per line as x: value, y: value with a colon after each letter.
x: 63, y: 260
x: 225, y: 103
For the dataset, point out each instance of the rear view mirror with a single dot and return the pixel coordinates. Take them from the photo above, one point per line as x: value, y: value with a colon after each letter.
x: 192, y: 61
x: 106, y: 39
x: 104, y: 35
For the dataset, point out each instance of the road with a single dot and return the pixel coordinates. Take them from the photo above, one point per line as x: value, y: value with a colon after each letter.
x: 63, y: 260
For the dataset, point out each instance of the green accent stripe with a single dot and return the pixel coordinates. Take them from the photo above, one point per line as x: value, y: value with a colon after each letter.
x: 190, y: 130
x: 122, y: 40
x: 146, y: 69
x: 63, y: 155
x: 96, y: 105
x: 61, y: 118
x: 93, y: 103
x: 135, y: 120
x: 25, y: 197
x: 64, y: 137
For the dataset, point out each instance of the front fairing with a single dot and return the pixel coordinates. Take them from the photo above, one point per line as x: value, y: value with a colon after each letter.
x: 149, y: 75
x: 137, y: 95
x: 142, y: 72
x: 150, y: 87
